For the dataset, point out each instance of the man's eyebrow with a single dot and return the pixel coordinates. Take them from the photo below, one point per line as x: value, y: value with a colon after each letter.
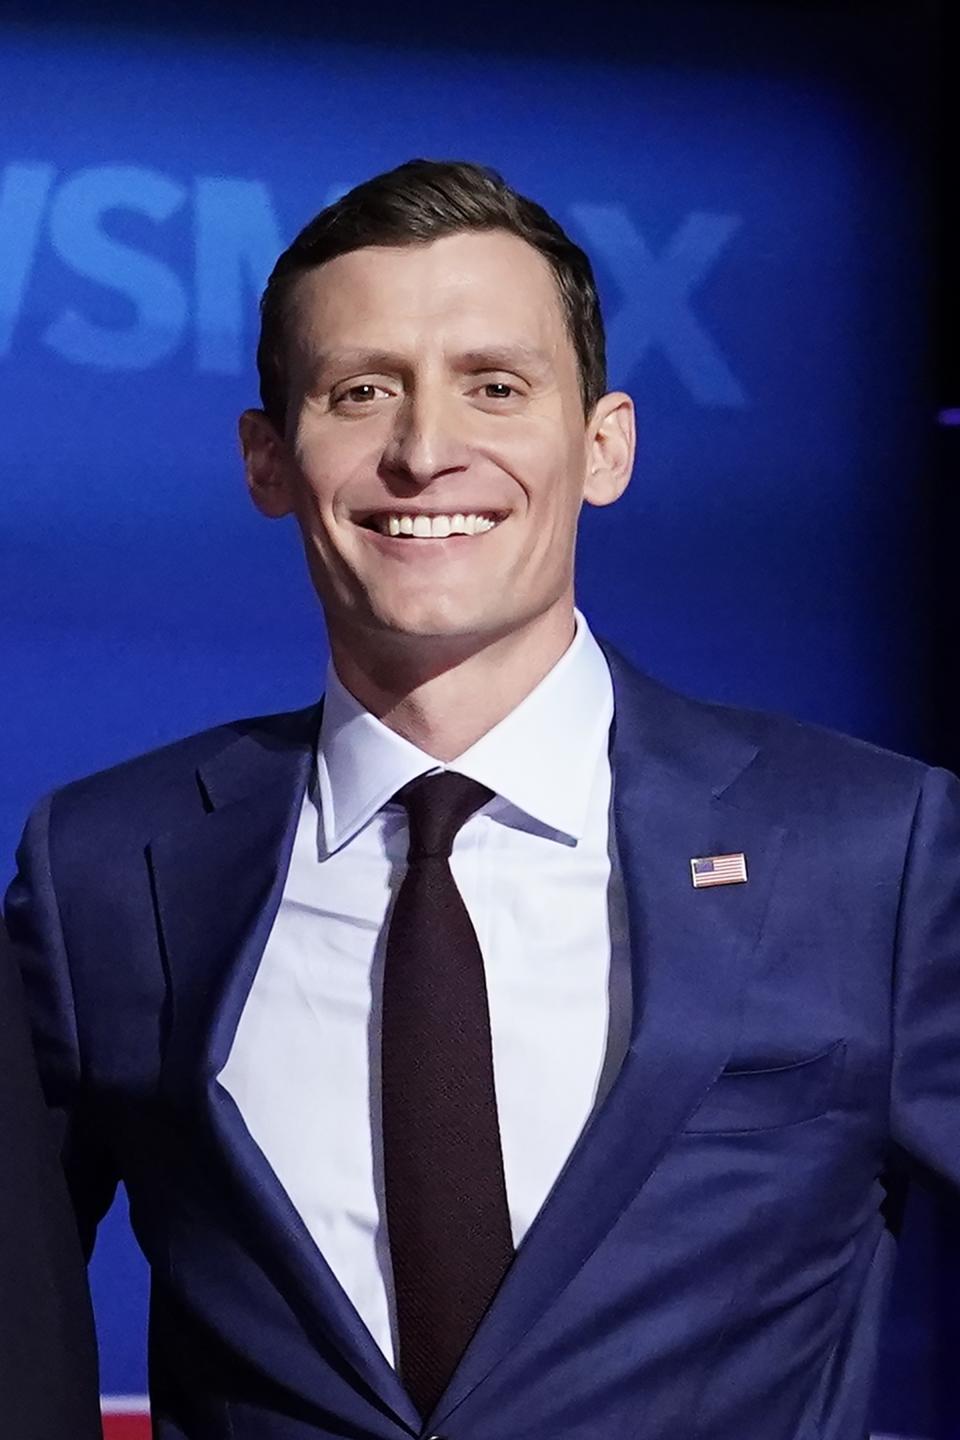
x: 504, y: 357
x: 357, y: 361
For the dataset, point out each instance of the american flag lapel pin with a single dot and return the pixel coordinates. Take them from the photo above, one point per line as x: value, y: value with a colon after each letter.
x: 708, y: 870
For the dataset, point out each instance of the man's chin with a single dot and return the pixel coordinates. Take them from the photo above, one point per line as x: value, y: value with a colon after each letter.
x: 443, y: 633
x: 434, y: 630
x: 429, y: 617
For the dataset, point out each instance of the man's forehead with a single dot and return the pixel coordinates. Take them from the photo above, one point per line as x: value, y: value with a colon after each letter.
x: 468, y: 270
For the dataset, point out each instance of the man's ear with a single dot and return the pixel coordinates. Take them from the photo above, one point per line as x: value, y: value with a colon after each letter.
x: 611, y: 443
x: 267, y: 464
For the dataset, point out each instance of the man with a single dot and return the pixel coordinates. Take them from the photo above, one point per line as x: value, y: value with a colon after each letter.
x: 48, y: 1372
x: 514, y: 1048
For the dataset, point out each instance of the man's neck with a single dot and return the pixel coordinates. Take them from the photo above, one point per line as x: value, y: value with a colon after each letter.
x: 442, y: 696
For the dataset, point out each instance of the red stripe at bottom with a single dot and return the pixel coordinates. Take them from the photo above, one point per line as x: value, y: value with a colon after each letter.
x: 126, y: 1427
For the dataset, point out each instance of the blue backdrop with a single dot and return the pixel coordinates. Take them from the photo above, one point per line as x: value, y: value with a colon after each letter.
x: 754, y: 213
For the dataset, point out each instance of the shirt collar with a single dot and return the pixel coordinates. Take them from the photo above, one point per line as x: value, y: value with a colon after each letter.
x: 541, y: 757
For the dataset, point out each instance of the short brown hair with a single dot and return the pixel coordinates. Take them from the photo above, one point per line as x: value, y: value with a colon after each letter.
x: 417, y: 202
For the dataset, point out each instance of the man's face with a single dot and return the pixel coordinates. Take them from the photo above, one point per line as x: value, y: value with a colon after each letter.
x: 436, y: 452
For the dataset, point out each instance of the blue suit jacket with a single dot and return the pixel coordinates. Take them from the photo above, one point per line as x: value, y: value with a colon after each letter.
x: 712, y: 1261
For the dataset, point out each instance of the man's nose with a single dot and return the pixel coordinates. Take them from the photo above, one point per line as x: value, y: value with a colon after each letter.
x: 426, y: 441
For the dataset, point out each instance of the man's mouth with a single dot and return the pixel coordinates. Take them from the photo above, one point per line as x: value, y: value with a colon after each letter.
x: 397, y: 524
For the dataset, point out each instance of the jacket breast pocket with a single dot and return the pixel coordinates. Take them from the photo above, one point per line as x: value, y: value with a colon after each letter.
x: 743, y: 1100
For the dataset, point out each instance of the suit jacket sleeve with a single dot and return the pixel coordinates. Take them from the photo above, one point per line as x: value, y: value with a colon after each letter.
x: 34, y: 923
x: 925, y: 1075
x: 48, y: 1371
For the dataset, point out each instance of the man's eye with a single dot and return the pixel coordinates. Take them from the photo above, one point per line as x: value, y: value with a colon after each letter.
x: 498, y: 390
x: 358, y: 394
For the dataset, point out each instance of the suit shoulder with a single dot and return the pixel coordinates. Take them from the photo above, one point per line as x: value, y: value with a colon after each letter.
x: 813, y: 767
x: 161, y: 787
x: 812, y: 747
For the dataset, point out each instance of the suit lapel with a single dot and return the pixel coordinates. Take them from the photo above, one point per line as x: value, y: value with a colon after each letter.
x: 218, y: 883
x: 691, y: 953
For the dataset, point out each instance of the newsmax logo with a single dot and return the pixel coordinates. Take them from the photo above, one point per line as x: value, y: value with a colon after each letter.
x: 201, y: 303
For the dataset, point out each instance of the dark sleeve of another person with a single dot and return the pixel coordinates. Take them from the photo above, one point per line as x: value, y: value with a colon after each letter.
x: 48, y: 1367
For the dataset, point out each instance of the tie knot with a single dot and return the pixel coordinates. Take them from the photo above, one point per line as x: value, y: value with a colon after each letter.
x: 437, y: 806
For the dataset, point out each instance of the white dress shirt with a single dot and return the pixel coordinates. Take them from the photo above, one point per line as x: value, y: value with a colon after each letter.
x: 536, y: 867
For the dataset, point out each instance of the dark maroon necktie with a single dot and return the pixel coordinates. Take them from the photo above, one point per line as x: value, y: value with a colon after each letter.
x: 447, y: 1216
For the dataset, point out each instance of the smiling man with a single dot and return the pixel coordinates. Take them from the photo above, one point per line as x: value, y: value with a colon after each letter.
x: 431, y: 426
x: 505, y: 1046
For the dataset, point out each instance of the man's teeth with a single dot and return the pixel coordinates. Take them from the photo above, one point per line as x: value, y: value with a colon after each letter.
x: 433, y: 527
